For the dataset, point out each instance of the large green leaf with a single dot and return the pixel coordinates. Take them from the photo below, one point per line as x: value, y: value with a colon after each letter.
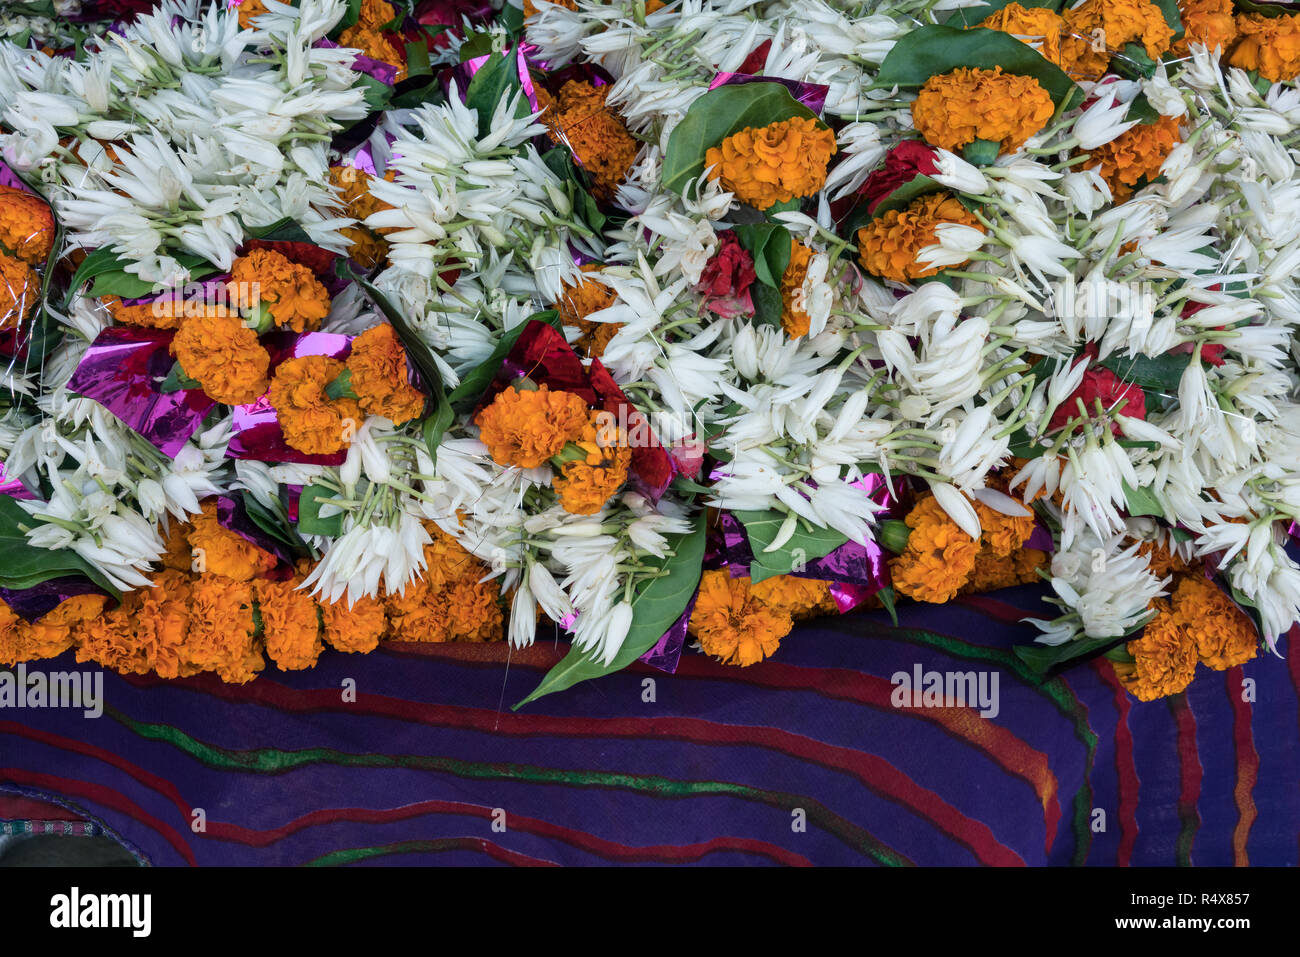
x: 495, y: 80
x: 1161, y: 374
x: 1142, y: 501
x: 26, y: 565
x: 310, y: 521
x: 805, y: 545
x: 715, y: 116
x: 656, y: 605
x: 108, y: 270
x: 934, y: 49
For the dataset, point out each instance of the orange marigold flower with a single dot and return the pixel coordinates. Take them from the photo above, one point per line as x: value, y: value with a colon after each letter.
x: 939, y: 556
x: 166, y: 312
x: 110, y: 640
x: 49, y: 636
x: 733, y: 624
x: 475, y: 611
x: 1269, y: 45
x: 221, y: 630
x: 26, y: 225
x: 178, y: 554
x: 248, y: 9
x: 377, y: 365
x: 365, y: 35
x: 19, y: 290
x: 956, y: 109
x: 1039, y: 27
x: 1164, y: 657
x: 1162, y: 561
x: 585, y: 485
x: 225, y: 357
x: 218, y: 551
x: 774, y: 163
x: 794, y: 320
x: 162, y: 617
x: 357, y: 628
x: 12, y: 649
x: 888, y: 245
x: 1134, y: 155
x: 1223, y: 634
x: 1115, y: 23
x: 290, y: 623
x: 1003, y: 534
x: 798, y: 597
x: 525, y: 427
x: 447, y: 561
x: 290, y: 292
x: 531, y: 9
x: 419, y: 612
x: 313, y: 422
x: 1208, y: 22
x: 578, y: 117
x: 579, y: 300
x: 368, y: 247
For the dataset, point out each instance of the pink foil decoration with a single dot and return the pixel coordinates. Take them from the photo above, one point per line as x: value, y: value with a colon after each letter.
x: 811, y: 95
x: 385, y: 73
x: 257, y: 432
x: 122, y: 370
x: 462, y: 73
x: 13, y: 486
x: 667, y: 651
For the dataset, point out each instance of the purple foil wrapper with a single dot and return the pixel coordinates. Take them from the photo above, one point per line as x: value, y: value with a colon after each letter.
x: 232, y: 515
x: 811, y: 95
x: 13, y: 486
x: 864, y: 566
x: 9, y: 178
x: 257, y: 432
x: 1041, y: 538
x: 122, y: 370
x: 667, y: 651
x: 33, y: 604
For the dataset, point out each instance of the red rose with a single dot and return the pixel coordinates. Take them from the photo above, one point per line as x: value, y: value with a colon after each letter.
x: 757, y: 59
x: 1100, y: 383
x: 727, y: 277
x: 906, y: 161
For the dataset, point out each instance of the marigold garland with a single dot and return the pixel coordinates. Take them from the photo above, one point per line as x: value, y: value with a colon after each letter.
x: 288, y: 291
x: 733, y: 624
x: 1135, y: 155
x: 377, y: 364
x: 18, y: 291
x: 1268, y: 45
x: 578, y: 117
x: 26, y: 226
x: 1099, y: 29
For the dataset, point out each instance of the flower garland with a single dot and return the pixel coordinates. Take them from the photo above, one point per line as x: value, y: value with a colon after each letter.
x: 666, y: 324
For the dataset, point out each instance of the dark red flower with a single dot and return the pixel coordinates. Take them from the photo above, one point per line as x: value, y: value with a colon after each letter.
x: 727, y: 277
x: 906, y: 161
x: 756, y: 59
x: 1100, y: 383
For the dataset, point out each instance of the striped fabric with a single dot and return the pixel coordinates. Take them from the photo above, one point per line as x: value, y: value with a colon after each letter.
x: 799, y: 760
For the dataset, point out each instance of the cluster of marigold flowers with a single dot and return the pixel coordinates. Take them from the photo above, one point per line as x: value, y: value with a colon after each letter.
x: 316, y: 397
x: 532, y: 426
x: 26, y: 241
x: 375, y: 33
x: 217, y: 605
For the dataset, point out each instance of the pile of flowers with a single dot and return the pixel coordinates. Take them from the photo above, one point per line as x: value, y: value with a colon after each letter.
x: 659, y: 325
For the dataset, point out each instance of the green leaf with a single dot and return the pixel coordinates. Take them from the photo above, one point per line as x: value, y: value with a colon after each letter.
x: 284, y: 230
x: 981, y: 152
x: 1046, y: 659
x: 658, y: 603
x: 310, y: 521
x: 350, y: 16
x: 1161, y: 374
x: 178, y: 381
x: 973, y: 16
x: 1140, y: 109
x: 435, y: 426
x: 512, y: 18
x: 1142, y: 501
x: 805, y: 544
x: 1169, y: 10
x: 376, y: 93
x: 886, y: 596
x: 26, y: 565
x: 715, y: 116
x: 466, y: 395
x: 935, y: 49
x: 497, y: 79
x: 476, y: 45
x: 340, y: 387
x: 274, y: 525
x: 769, y: 245
x: 768, y: 305
x: 417, y: 59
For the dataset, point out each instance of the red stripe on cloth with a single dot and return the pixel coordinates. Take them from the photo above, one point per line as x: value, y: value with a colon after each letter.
x: 1190, y: 771
x: 1247, y: 765
x: 1125, y: 767
x: 875, y: 772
